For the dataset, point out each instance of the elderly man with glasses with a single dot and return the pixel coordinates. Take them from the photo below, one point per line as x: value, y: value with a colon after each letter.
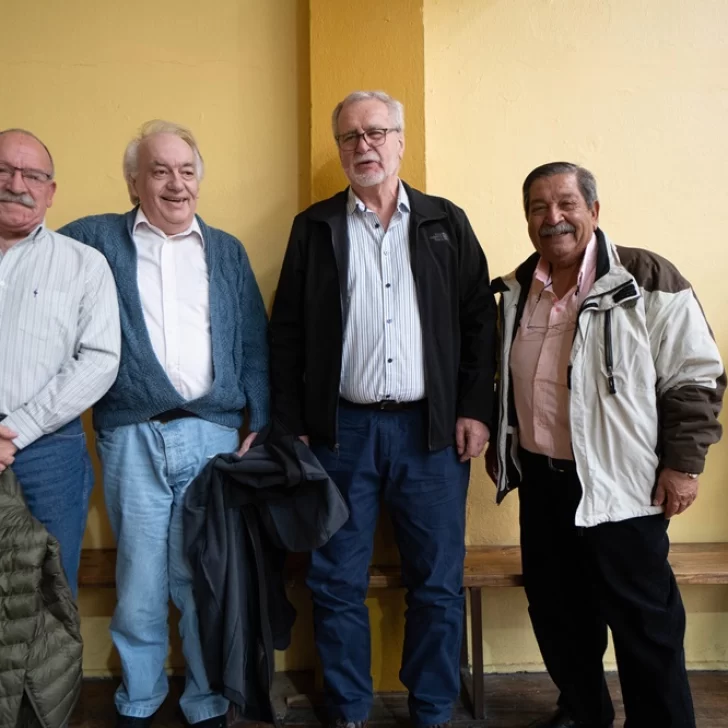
x: 382, y: 356
x: 194, y: 361
x: 59, y: 346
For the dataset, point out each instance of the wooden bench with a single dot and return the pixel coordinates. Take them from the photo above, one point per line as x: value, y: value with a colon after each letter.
x: 485, y: 567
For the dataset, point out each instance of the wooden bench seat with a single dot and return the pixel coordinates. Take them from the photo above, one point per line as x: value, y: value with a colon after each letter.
x: 485, y: 567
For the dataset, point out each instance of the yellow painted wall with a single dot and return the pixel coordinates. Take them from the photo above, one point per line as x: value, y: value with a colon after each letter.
x: 634, y: 90
x: 365, y: 46
x: 84, y: 75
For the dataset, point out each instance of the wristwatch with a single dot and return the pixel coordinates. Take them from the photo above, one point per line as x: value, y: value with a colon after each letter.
x: 692, y: 476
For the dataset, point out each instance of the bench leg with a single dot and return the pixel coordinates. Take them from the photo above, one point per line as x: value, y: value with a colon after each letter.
x: 476, y: 643
x: 464, y: 642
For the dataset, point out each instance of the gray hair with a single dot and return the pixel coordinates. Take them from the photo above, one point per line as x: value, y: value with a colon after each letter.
x: 584, y: 178
x: 30, y: 134
x: 150, y: 128
x: 395, y: 108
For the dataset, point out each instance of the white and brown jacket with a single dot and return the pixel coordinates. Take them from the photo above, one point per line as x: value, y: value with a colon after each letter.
x: 645, y: 377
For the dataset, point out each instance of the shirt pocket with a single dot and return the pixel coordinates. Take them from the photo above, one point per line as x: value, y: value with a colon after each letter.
x: 48, y: 314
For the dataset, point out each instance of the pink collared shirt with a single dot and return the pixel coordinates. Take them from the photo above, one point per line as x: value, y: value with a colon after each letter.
x: 540, y: 359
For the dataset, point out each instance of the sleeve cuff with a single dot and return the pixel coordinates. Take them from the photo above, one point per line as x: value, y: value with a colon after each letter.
x: 26, y: 427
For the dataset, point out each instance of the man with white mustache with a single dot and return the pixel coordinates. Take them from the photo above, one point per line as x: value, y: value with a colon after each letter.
x: 59, y: 346
x: 382, y: 356
x: 609, y: 389
x: 194, y: 360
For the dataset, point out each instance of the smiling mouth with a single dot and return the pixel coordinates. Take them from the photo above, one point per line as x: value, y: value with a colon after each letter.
x: 175, y: 200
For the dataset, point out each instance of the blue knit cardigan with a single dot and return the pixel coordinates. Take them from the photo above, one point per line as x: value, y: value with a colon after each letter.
x: 238, y: 327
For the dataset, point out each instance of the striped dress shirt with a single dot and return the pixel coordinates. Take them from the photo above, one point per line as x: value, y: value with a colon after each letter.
x: 59, y: 333
x: 382, y: 353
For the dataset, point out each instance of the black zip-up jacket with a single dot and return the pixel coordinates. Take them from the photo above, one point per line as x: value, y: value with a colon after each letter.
x: 457, y: 312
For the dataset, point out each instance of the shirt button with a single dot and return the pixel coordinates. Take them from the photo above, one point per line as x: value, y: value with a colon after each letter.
x: 389, y: 361
x: 387, y: 285
x: 386, y: 252
x: 376, y: 225
x: 389, y: 321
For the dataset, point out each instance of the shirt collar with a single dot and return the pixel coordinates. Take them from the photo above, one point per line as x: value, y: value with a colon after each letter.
x: 34, y: 235
x: 587, y: 269
x: 141, y: 219
x: 354, y: 203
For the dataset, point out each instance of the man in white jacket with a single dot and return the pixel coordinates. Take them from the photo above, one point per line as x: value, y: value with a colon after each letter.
x: 609, y: 390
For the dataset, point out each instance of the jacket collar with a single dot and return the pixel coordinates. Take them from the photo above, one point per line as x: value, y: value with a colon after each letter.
x: 422, y: 207
x: 609, y: 274
x: 130, y: 219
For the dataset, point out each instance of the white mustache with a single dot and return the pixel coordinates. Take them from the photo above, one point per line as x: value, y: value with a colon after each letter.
x: 560, y: 229
x: 21, y: 199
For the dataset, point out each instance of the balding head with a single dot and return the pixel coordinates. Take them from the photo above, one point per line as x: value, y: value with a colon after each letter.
x: 30, y: 134
x: 26, y: 184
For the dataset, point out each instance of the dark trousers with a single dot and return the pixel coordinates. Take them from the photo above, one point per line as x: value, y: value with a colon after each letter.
x: 579, y: 581
x: 385, y: 453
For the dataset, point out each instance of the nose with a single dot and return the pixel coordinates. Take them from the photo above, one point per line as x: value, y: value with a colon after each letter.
x: 16, y: 183
x: 553, y: 215
x: 362, y: 145
x: 175, y: 181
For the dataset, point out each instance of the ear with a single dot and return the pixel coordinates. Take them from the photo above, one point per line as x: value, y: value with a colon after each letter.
x: 595, y: 214
x: 401, y: 145
x: 51, y: 192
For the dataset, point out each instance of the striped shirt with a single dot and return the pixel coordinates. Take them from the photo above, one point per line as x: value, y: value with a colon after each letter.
x: 59, y: 333
x: 382, y: 353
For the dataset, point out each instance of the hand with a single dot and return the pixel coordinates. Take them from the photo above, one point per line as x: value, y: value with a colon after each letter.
x: 247, y: 442
x: 676, y: 491
x: 304, y: 440
x: 7, y: 447
x: 470, y: 436
x: 491, y: 461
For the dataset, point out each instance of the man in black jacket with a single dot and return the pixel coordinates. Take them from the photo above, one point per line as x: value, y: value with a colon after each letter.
x: 382, y: 354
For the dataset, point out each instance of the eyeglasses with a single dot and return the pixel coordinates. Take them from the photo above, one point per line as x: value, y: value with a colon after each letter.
x: 559, y: 328
x: 32, y: 177
x: 373, y: 137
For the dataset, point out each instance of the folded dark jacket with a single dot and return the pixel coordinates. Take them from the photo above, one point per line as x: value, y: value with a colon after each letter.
x: 241, y: 516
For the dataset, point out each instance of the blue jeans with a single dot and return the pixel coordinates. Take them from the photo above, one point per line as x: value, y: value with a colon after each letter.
x: 147, y: 469
x: 385, y: 453
x: 56, y: 477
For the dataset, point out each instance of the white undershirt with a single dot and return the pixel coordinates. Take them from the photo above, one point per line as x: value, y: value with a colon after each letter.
x: 174, y: 288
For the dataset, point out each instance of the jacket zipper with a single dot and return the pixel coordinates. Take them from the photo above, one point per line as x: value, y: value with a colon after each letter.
x: 343, y: 324
x: 413, y: 265
x: 590, y: 303
x: 608, y: 360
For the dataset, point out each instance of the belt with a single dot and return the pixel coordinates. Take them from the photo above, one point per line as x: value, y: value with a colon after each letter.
x: 386, y: 405
x: 556, y: 465
x: 170, y: 415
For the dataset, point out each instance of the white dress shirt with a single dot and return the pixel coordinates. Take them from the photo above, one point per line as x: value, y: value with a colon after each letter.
x: 382, y: 354
x: 174, y: 287
x: 59, y: 333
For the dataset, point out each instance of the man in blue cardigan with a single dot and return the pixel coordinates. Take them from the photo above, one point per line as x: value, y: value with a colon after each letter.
x: 194, y: 357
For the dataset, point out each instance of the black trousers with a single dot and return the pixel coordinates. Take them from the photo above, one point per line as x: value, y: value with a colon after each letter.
x: 579, y: 581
